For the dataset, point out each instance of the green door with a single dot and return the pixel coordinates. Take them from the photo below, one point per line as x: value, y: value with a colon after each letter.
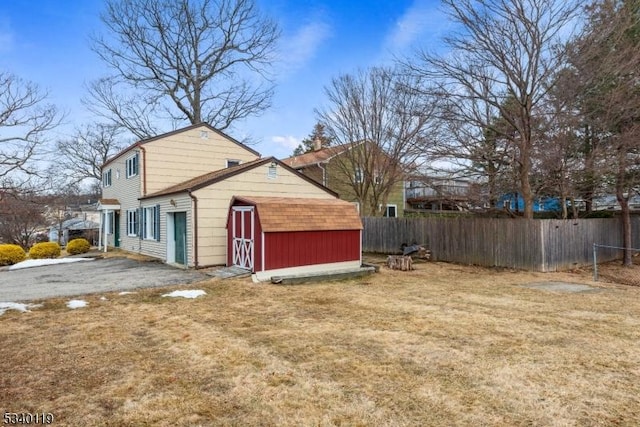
x: 180, y: 237
x: 116, y: 229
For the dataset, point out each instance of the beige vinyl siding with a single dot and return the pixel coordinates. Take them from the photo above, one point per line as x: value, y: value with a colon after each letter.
x: 127, y: 191
x: 186, y: 155
x: 214, y: 201
x: 159, y: 249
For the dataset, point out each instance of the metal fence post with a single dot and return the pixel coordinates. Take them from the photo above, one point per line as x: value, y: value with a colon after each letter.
x: 595, y: 262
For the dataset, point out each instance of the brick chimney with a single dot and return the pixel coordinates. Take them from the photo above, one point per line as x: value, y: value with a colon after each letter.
x: 317, y: 144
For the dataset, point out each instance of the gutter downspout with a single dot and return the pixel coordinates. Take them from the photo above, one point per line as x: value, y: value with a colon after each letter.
x: 144, y: 170
x: 324, y: 174
x: 195, y: 229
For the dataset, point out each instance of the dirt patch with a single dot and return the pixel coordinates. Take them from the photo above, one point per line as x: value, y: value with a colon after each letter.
x: 562, y: 287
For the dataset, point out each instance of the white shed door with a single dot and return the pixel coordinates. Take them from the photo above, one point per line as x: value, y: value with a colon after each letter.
x: 242, y: 222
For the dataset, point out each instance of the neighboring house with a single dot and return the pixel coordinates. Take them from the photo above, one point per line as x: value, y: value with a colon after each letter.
x: 438, y: 193
x: 169, y: 196
x: 515, y: 203
x: 331, y: 167
x: 75, y: 228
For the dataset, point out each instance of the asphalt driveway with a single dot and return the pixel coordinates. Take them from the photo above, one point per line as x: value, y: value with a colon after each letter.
x: 86, y: 277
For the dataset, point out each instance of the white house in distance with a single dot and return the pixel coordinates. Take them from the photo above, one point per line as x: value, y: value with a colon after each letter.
x: 168, y: 196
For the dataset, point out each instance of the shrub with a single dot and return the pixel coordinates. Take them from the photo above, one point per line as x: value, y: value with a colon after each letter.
x: 11, y: 254
x: 44, y: 250
x: 78, y: 246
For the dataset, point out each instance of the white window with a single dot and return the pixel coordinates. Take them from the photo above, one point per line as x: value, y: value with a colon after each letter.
x: 377, y: 179
x: 357, y: 175
x: 132, y: 222
x: 272, y: 173
x: 106, y: 178
x: 132, y: 165
x: 150, y: 223
x: 391, y: 211
x: 231, y: 163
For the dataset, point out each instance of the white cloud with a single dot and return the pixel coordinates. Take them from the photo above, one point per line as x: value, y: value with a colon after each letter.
x: 288, y: 142
x: 421, y: 21
x: 301, y: 46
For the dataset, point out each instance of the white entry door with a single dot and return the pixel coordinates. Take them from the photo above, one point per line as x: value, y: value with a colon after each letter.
x: 242, y: 223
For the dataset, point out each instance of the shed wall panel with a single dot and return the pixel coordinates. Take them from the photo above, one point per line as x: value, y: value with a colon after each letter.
x: 292, y: 249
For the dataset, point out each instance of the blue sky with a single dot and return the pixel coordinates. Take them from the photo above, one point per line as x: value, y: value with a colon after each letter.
x: 47, y: 42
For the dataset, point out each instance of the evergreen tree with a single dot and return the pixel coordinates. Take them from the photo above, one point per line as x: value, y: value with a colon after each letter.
x: 307, y: 145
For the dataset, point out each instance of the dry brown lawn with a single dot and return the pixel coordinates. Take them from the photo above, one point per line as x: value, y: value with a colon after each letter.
x: 439, y: 346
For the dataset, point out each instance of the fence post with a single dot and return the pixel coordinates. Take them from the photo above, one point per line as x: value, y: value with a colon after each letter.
x: 595, y: 262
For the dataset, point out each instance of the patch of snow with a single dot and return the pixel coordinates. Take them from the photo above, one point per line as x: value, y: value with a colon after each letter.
x: 126, y: 293
x: 186, y: 294
x: 103, y: 298
x: 4, y: 306
x: 42, y: 262
x: 76, y: 303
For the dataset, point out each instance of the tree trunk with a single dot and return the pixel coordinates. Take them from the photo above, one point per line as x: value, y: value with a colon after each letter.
x: 627, y: 261
x: 525, y: 190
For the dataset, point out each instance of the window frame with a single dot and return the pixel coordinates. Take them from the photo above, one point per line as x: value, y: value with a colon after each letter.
x: 132, y: 222
x: 132, y: 166
x: 234, y: 161
x: 395, y: 210
x: 358, y: 175
x: 106, y: 178
x: 150, y: 223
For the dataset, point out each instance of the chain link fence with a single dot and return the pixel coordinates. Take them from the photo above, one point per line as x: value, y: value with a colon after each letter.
x: 614, y: 271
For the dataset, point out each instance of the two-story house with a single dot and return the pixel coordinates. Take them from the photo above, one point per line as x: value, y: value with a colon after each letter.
x: 168, y: 196
x: 337, y: 167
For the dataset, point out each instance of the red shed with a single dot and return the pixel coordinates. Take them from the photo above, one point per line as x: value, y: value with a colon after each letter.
x: 275, y: 236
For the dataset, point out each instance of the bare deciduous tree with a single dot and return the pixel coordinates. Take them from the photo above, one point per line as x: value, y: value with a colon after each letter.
x: 606, y: 60
x: 382, y: 126
x: 87, y: 150
x: 184, y: 60
x: 25, y: 118
x: 501, y: 50
x: 21, y: 216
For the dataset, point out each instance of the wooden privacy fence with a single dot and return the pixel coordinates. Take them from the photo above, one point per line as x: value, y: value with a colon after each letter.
x: 539, y: 245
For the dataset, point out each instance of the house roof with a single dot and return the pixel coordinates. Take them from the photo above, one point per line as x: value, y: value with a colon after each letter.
x: 317, y: 156
x: 177, y: 131
x: 303, y: 214
x: 222, y: 174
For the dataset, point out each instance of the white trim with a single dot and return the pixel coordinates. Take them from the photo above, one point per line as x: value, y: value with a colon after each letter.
x: 134, y: 224
x: 333, y: 267
x: 243, y: 249
x: 263, y: 253
x: 171, y: 244
x: 391, y: 206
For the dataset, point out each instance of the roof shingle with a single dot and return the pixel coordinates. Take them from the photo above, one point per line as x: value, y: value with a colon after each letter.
x: 303, y: 214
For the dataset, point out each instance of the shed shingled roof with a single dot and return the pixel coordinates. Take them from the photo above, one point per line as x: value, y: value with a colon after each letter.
x: 303, y: 214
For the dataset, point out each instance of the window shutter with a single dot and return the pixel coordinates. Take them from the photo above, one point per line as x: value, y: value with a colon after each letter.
x: 139, y: 222
x: 156, y: 213
x: 143, y: 220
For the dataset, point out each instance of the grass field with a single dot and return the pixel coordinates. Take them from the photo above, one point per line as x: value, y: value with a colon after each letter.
x: 439, y: 346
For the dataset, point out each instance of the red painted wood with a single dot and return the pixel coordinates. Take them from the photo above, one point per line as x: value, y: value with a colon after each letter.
x: 293, y: 249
